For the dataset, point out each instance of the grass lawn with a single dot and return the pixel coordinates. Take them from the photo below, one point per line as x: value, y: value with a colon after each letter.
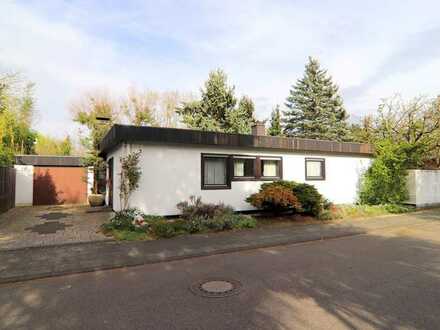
x: 127, y: 235
x: 363, y: 211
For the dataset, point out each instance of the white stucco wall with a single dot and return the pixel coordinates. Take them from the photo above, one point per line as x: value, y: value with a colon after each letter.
x: 117, y: 154
x: 90, y: 179
x: 24, y: 185
x: 171, y: 174
x: 424, y: 187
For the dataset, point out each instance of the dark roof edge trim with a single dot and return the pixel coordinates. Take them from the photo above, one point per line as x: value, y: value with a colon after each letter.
x: 125, y: 134
x: 40, y: 160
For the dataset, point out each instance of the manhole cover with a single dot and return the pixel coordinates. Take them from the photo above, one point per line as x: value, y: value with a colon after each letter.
x: 216, y: 288
x: 54, y: 216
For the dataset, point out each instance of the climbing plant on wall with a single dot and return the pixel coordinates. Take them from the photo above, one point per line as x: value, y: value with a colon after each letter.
x: 130, y: 176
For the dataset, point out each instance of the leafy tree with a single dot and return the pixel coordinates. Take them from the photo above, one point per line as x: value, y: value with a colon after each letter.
x: 275, y: 128
x: 385, y: 181
x: 140, y: 107
x: 46, y: 145
x: 87, y: 111
x: 66, y: 146
x: 217, y: 109
x: 240, y: 120
x: 363, y: 132
x: 406, y: 135
x: 152, y: 108
x: 16, y: 112
x: 169, y: 103
x: 415, y: 122
x: 315, y: 108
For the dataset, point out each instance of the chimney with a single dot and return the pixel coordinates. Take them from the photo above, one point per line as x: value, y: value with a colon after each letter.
x: 259, y: 128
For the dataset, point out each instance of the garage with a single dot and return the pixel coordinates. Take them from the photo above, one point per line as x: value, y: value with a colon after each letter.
x: 51, y: 180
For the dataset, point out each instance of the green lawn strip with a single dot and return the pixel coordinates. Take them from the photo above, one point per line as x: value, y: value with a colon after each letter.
x: 365, y: 211
x: 128, y: 235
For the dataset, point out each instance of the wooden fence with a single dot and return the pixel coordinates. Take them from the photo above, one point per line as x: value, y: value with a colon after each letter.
x: 7, y: 188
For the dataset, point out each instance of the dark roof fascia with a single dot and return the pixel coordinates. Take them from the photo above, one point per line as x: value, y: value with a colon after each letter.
x: 119, y: 134
x: 39, y: 160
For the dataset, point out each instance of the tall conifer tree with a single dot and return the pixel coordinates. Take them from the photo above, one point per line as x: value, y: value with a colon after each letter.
x: 315, y: 108
x: 217, y: 110
x: 275, y: 128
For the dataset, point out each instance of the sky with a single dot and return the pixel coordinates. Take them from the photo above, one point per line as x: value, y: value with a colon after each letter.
x: 372, y: 49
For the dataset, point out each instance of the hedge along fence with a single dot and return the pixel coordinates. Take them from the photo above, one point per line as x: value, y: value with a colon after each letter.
x: 7, y: 188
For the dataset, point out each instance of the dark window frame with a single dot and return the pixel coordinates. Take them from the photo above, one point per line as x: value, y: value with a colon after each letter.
x: 244, y: 178
x: 279, y: 175
x: 228, y: 171
x: 323, y: 172
x: 258, y: 169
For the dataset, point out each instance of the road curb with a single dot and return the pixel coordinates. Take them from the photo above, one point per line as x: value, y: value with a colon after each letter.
x: 150, y: 257
x: 155, y: 260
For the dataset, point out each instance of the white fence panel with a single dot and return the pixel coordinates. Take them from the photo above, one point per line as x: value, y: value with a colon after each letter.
x: 424, y: 187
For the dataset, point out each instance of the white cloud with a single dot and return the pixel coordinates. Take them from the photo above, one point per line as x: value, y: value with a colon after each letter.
x: 372, y: 49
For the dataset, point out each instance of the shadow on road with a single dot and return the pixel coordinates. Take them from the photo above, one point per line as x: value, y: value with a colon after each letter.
x: 383, y: 281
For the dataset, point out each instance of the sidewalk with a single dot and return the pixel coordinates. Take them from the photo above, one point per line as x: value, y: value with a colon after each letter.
x: 33, y: 263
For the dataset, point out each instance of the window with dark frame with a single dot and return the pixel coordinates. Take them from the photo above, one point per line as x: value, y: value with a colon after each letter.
x: 218, y: 170
x: 215, y: 172
x: 243, y: 167
x: 315, y: 169
x: 270, y: 168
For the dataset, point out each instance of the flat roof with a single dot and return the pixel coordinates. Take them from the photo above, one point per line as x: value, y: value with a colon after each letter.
x: 41, y: 160
x: 158, y: 135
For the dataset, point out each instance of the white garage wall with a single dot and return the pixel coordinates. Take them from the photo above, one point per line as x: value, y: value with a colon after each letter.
x: 116, y: 154
x: 24, y: 185
x: 171, y: 174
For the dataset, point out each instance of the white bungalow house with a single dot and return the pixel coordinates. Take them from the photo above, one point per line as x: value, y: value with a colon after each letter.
x: 219, y: 167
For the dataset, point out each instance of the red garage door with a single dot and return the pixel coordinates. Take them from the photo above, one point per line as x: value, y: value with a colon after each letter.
x: 59, y: 185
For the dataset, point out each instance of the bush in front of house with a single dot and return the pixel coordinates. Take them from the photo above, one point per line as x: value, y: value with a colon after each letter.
x: 242, y: 221
x: 234, y: 221
x: 171, y: 228
x: 198, y: 217
x: 385, y: 181
x: 163, y: 229
x: 196, y: 208
x: 131, y: 219
x: 311, y: 200
x: 398, y: 208
x: 274, y: 197
x: 308, y: 199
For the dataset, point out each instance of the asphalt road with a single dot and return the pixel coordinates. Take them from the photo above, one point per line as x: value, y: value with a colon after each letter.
x: 385, y: 280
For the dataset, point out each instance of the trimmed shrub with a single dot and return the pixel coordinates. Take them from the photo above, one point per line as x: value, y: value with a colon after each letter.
x: 196, y: 208
x: 311, y: 200
x: 274, y: 197
x: 280, y: 183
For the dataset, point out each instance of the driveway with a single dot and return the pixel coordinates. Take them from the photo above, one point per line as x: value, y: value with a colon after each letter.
x: 386, y: 279
x: 24, y: 227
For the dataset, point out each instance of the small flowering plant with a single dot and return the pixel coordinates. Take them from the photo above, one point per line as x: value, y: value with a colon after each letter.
x: 128, y: 219
x: 139, y: 222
